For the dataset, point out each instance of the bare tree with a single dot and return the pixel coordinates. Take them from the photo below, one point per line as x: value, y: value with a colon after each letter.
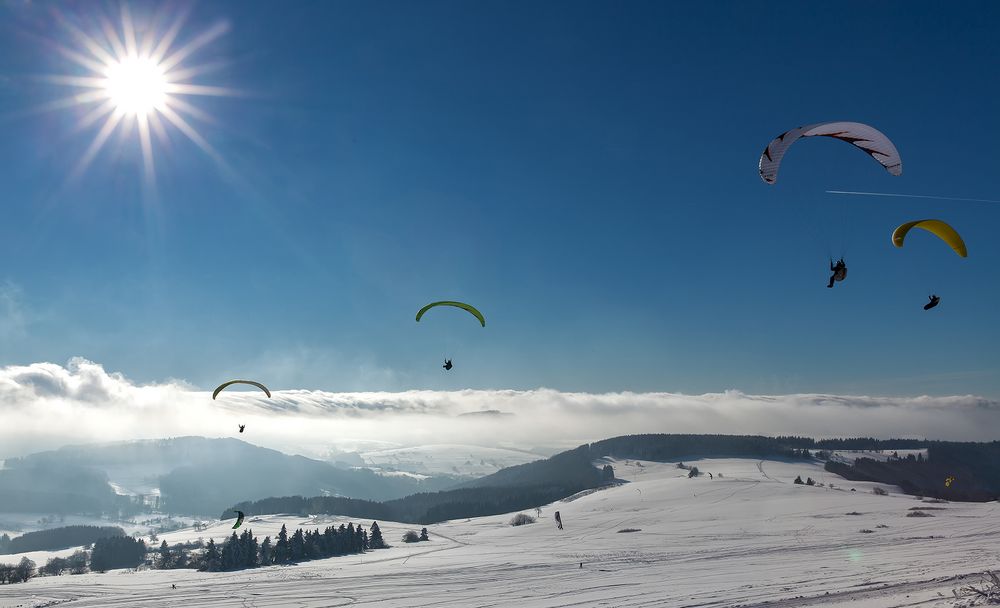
x: 988, y: 589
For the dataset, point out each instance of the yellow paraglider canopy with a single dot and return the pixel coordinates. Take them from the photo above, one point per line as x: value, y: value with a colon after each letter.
x: 936, y: 227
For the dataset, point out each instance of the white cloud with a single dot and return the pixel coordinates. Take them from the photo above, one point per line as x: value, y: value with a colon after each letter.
x: 45, y: 405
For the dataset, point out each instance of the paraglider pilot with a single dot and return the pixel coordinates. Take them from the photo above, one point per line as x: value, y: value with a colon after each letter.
x: 447, y: 364
x: 839, y: 271
x: 933, y: 302
x: 242, y: 426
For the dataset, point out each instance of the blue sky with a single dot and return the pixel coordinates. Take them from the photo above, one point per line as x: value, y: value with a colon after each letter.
x: 583, y: 172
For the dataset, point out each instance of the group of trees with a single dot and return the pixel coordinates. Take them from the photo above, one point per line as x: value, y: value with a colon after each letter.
x: 809, y: 481
x: 17, y: 573
x: 117, y: 552
x: 237, y: 552
x: 975, y: 468
x: 57, y: 538
x: 74, y: 564
x: 107, y: 553
x: 107, y: 547
x: 244, y: 550
x: 411, y: 536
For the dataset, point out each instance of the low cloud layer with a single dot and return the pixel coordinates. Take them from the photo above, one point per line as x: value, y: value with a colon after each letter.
x: 46, y: 405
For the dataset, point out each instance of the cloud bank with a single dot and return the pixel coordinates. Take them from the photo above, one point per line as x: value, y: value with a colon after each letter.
x: 46, y: 405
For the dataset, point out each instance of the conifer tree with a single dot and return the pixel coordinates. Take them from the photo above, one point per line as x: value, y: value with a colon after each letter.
x: 359, y: 539
x: 266, y: 555
x: 375, y: 540
x: 253, y: 549
x: 282, y: 550
x: 351, y: 538
x: 297, y: 545
x: 166, y: 560
x: 423, y: 534
x: 211, y: 560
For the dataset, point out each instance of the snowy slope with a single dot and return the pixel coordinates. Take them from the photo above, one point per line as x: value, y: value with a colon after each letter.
x: 747, y: 538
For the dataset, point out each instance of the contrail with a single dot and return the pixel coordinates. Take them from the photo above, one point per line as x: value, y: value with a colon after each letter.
x: 939, y: 198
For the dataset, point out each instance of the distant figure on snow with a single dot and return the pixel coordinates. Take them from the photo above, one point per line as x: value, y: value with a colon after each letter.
x: 933, y: 302
x: 581, y: 565
x: 839, y: 271
x: 558, y: 520
x: 447, y: 364
x: 242, y: 426
x: 710, y: 476
x: 173, y: 586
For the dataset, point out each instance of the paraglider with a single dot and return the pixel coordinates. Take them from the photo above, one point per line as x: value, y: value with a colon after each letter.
x: 242, y: 426
x: 222, y: 386
x: 839, y: 271
x: 559, y: 520
x: 936, y: 227
x: 239, y: 520
x: 867, y: 138
x: 466, y: 307
x: 447, y: 364
x: 933, y: 302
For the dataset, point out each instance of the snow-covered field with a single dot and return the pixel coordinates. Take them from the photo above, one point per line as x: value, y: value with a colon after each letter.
x: 748, y: 538
x: 448, y: 459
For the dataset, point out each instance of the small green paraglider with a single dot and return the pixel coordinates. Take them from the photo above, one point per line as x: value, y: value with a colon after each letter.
x: 222, y: 387
x: 467, y: 307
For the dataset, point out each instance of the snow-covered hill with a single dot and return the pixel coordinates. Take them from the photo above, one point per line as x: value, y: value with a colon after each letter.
x: 745, y: 538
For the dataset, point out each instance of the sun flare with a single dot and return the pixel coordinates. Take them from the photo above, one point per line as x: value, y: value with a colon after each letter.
x: 136, y: 77
x: 137, y: 86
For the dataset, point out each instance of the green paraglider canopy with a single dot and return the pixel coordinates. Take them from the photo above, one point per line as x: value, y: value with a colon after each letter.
x: 222, y: 386
x: 239, y: 520
x: 471, y: 309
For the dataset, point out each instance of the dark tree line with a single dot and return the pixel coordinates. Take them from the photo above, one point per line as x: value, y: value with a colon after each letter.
x: 57, y: 538
x: 425, y: 508
x: 107, y: 554
x: 511, y: 489
x: 975, y: 468
x: 243, y: 550
x: 117, y: 552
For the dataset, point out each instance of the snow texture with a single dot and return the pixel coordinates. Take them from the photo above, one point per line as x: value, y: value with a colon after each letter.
x: 749, y: 538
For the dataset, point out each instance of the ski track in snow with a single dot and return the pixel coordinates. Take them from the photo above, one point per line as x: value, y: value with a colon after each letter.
x: 749, y: 539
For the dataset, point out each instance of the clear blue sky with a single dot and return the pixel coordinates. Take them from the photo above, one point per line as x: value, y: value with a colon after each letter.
x: 584, y: 172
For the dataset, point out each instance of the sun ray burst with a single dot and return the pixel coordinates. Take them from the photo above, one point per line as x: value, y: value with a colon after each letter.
x: 134, y: 75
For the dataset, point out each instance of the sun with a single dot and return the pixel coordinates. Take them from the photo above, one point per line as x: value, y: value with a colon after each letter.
x: 136, y: 79
x: 136, y: 86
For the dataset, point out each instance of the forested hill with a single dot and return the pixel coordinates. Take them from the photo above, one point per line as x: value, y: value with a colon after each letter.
x: 536, y: 483
x: 973, y: 467
x: 664, y: 447
x: 511, y: 489
x: 194, y: 475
